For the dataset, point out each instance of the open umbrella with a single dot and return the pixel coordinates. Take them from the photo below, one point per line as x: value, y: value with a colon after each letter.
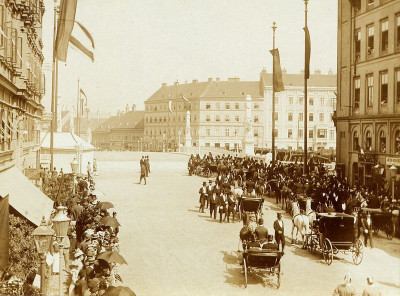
x: 112, y: 256
x: 119, y: 291
x: 104, y: 205
x: 109, y: 221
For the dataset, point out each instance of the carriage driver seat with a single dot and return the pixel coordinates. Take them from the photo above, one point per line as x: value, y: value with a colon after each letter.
x: 270, y: 244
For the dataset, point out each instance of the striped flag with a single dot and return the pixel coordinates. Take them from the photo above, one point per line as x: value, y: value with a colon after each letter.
x: 64, y: 28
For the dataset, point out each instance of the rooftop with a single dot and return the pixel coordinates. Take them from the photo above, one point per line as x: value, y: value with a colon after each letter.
x: 128, y: 120
x: 315, y: 80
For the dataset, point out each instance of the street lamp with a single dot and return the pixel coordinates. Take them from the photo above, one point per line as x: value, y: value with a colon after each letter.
x: 42, y: 236
x: 78, y: 150
x: 393, y: 171
x: 60, y: 226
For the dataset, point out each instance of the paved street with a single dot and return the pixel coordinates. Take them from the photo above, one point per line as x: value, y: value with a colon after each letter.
x: 172, y: 249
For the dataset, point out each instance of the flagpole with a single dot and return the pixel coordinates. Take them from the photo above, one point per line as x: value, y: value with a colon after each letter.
x: 56, y: 99
x: 305, y: 164
x: 53, y: 90
x: 77, y: 110
x: 273, y: 95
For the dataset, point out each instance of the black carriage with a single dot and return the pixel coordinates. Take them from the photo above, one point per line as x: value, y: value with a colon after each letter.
x: 302, y: 200
x: 266, y: 260
x: 334, y: 232
x: 251, y: 205
x: 381, y: 220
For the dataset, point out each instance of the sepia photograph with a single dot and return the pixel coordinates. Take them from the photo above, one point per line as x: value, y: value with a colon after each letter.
x: 211, y: 148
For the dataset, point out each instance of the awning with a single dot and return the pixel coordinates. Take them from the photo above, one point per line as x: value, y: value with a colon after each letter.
x: 24, y: 196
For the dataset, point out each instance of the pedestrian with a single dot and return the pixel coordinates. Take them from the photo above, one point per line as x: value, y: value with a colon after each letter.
x: 210, y: 190
x: 231, y: 206
x: 213, y: 205
x: 147, y: 165
x: 142, y: 172
x: 366, y: 226
x: 94, y: 167
x: 345, y: 289
x: 279, y: 231
x: 371, y: 289
x: 222, y: 206
x: 203, y: 197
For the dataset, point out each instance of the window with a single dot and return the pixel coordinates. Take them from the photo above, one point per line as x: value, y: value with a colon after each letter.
x: 227, y: 118
x: 321, y: 117
x: 311, y: 134
x: 256, y: 106
x: 207, y: 144
x: 290, y: 116
x: 311, y: 101
x: 331, y: 134
x: 208, y: 106
x: 357, y: 45
x: 368, y: 141
x: 322, y: 133
x: 397, y: 85
x: 227, y: 132
x: 382, y: 142
x: 301, y: 117
x: 384, y: 88
x: 208, y: 132
x: 370, y: 40
x: 217, y: 118
x: 207, y: 118
x: 217, y: 145
x: 236, y: 106
x: 276, y: 116
x: 356, y: 93
x: 397, y: 142
x: 311, y: 117
x: 227, y: 106
x: 290, y: 133
x: 255, y: 118
x: 322, y: 101
x: 236, y: 132
x: 290, y: 100
x: 256, y: 133
x: 384, y: 36
x: 237, y: 118
x: 398, y: 31
x: 370, y: 4
x: 217, y: 105
x: 370, y: 90
x: 300, y: 133
x: 301, y: 101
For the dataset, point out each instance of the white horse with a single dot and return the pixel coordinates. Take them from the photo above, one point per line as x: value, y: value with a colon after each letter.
x: 299, y: 221
x: 312, y: 216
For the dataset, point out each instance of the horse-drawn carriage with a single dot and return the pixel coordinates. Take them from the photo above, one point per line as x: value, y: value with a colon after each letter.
x: 381, y: 220
x: 262, y: 259
x: 250, y: 204
x: 334, y: 232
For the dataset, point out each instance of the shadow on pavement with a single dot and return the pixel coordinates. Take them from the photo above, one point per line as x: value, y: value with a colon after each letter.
x: 389, y: 284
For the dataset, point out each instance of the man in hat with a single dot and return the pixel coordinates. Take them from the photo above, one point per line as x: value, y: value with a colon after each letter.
x: 142, y: 171
x: 279, y: 231
x: 209, y: 192
x: 231, y: 205
x: 222, y: 203
x: 261, y: 231
x: 213, y: 205
x: 371, y: 289
x: 203, y: 196
x: 366, y: 226
x: 345, y: 289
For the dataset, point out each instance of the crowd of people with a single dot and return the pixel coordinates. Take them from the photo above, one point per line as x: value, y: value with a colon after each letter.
x: 144, y: 169
x: 92, y: 235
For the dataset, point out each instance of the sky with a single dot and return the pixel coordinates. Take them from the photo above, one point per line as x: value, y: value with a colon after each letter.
x: 141, y: 44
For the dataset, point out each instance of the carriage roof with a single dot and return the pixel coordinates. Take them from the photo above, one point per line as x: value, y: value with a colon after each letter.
x: 337, y: 227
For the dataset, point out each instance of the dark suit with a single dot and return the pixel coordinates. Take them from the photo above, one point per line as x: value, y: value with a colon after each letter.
x: 203, y: 197
x: 231, y: 207
x: 279, y: 237
x: 210, y: 190
x: 367, y: 231
x: 261, y: 233
x: 213, y: 206
x: 222, y: 203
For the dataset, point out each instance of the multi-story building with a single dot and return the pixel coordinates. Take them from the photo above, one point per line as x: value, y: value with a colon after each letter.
x: 368, y: 107
x: 217, y: 114
x: 289, y: 111
x: 21, y: 83
x: 121, y: 132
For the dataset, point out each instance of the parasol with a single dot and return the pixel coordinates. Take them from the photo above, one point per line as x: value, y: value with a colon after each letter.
x: 119, y: 291
x: 109, y: 221
x: 104, y: 205
x: 112, y: 256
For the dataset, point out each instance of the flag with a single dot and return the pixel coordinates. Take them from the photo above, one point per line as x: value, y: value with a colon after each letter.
x: 64, y: 28
x: 307, y: 53
x: 187, y: 103
x: 277, y: 76
x: 82, y: 48
x: 170, y: 106
x: 4, y: 232
x: 82, y: 92
x: 86, y: 32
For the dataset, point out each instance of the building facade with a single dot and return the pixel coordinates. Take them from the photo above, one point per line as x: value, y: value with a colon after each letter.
x: 21, y: 83
x: 289, y: 111
x: 368, y: 108
x: 217, y: 114
x: 122, y: 132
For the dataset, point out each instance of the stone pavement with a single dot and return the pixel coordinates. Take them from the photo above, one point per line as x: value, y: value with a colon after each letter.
x: 172, y: 249
x: 54, y: 282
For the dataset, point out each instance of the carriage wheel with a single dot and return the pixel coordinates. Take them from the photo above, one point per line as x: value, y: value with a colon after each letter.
x: 327, y: 251
x: 358, y: 251
x: 245, y: 273
x: 278, y: 284
x: 389, y: 230
x: 310, y: 244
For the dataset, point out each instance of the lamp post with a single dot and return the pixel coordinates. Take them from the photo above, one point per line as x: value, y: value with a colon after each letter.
x: 74, y: 167
x: 393, y: 171
x: 42, y: 236
x: 60, y: 226
x: 78, y: 150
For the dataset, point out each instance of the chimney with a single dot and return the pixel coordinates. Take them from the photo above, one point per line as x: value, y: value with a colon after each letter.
x: 164, y: 84
x: 209, y: 79
x: 194, y: 81
x: 284, y: 71
x: 127, y: 108
x: 176, y: 83
x: 133, y: 107
x: 330, y: 72
x: 217, y: 79
x: 317, y: 72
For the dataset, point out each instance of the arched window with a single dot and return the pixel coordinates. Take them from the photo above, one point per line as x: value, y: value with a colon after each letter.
x: 382, y: 142
x: 356, y: 145
x: 397, y: 142
x: 368, y: 141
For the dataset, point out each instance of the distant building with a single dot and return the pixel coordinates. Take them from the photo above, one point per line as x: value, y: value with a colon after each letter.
x: 124, y: 131
x: 368, y: 108
x: 289, y: 108
x: 217, y: 110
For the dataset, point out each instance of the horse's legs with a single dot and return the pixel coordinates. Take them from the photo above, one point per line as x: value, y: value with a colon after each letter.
x: 292, y: 230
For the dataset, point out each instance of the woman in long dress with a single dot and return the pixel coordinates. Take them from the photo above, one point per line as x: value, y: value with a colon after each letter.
x: 56, y: 257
